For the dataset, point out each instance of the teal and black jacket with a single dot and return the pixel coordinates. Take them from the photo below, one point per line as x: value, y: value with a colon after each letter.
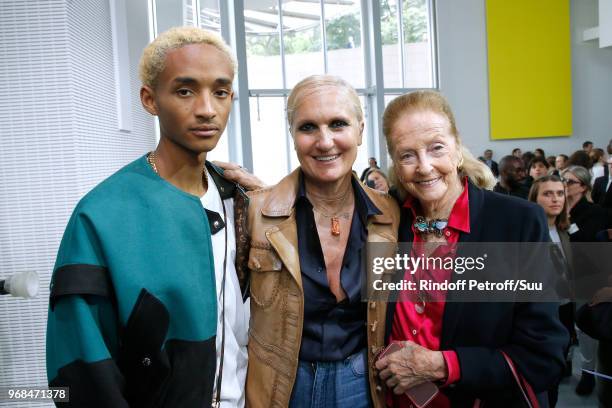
x: 133, y: 310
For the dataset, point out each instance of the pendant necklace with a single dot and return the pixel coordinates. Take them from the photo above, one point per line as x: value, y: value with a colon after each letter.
x: 335, y: 218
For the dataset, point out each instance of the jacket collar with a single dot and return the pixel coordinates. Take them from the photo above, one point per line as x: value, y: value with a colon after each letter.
x: 227, y: 189
x: 282, y: 197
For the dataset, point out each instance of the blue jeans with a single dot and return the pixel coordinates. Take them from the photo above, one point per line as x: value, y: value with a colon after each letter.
x: 339, y: 384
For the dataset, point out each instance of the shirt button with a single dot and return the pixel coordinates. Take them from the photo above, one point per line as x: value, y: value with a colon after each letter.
x: 447, y: 233
x: 372, y: 305
x: 414, y: 332
x: 146, y: 361
x: 216, y: 224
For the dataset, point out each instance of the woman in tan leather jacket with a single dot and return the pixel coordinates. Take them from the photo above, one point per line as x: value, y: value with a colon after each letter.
x: 312, y: 338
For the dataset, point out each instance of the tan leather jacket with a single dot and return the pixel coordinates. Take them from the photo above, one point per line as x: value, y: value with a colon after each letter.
x: 277, y: 297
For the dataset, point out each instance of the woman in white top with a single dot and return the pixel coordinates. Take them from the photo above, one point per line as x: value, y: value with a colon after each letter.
x: 598, y: 158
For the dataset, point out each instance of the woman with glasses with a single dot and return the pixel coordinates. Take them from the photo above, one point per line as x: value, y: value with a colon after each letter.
x: 589, y: 218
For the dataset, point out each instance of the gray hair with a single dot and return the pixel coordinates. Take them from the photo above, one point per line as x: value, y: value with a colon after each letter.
x: 582, y: 174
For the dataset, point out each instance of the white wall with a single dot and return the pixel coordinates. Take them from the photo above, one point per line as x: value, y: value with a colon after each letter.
x: 463, y: 79
x: 59, y: 135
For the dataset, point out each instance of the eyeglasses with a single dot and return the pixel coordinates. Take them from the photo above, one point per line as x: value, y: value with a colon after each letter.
x: 571, y: 182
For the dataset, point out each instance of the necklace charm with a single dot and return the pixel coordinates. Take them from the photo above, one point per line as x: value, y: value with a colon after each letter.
x: 335, y: 226
x: 419, y: 305
x: 334, y: 217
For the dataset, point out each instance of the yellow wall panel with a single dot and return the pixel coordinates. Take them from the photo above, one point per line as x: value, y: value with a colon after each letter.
x: 529, y: 61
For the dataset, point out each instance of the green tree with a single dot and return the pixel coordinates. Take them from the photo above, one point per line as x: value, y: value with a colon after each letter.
x: 344, y: 32
x: 415, y: 20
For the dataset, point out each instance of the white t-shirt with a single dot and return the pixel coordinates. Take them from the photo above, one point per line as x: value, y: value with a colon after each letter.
x: 237, y: 313
x: 597, y: 171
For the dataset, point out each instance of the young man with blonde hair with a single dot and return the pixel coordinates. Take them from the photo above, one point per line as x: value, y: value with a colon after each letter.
x: 147, y: 295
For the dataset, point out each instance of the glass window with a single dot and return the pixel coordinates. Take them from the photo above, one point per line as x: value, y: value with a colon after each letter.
x: 176, y: 13
x: 389, y: 31
x: 303, y: 52
x: 209, y: 15
x: 268, y: 136
x: 410, y: 64
x: 344, y: 47
x: 286, y: 41
x: 169, y: 13
x: 264, y: 61
x: 417, y: 44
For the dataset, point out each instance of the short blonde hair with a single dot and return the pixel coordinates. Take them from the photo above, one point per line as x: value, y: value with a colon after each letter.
x: 312, y: 84
x: 153, y: 59
x: 421, y: 101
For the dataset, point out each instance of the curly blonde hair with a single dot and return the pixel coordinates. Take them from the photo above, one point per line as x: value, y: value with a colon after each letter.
x: 153, y: 59
x: 419, y: 101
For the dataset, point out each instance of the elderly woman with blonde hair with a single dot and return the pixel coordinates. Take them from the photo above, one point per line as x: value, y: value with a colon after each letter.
x: 495, y: 353
x: 312, y: 339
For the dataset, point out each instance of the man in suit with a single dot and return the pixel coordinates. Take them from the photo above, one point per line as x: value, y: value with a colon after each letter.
x: 602, y: 193
x: 487, y: 159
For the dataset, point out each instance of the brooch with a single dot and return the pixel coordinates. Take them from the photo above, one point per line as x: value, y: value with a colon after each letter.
x: 435, y: 226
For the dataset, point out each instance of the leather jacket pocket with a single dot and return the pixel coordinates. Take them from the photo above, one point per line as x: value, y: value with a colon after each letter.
x: 265, y: 267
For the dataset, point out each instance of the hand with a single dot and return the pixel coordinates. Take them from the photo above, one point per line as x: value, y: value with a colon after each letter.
x: 602, y: 295
x: 410, y: 366
x: 240, y: 175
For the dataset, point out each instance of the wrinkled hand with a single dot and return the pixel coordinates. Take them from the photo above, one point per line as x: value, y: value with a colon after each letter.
x: 240, y: 175
x: 602, y: 295
x: 410, y: 366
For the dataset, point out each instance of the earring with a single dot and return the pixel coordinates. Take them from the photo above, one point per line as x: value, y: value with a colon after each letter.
x: 460, y: 165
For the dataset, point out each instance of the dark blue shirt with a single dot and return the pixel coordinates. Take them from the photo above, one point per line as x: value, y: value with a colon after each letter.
x: 332, y: 330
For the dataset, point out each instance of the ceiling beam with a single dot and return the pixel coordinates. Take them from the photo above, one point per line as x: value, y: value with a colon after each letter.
x: 338, y: 2
x: 294, y: 14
